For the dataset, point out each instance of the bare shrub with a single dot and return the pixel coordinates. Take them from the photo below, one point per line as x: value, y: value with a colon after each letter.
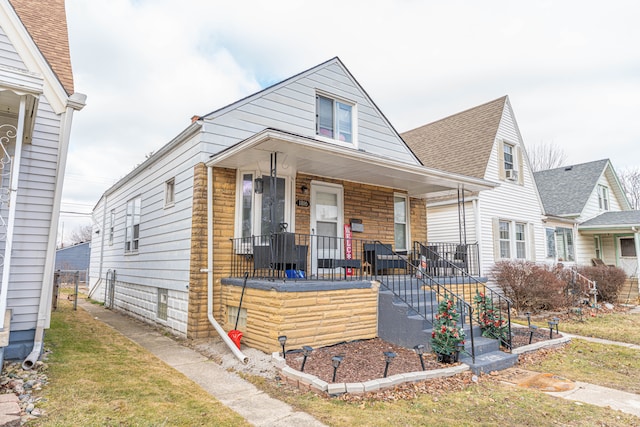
x: 530, y: 286
x: 609, y: 280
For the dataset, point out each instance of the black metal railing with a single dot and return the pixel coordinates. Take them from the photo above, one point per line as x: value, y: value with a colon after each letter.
x: 460, y: 281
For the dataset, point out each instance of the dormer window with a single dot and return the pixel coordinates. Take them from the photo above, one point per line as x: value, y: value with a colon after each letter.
x: 510, y: 165
x: 508, y: 157
x: 603, y: 197
x: 334, y: 119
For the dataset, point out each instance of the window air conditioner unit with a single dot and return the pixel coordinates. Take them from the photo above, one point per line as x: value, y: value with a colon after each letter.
x: 511, y: 174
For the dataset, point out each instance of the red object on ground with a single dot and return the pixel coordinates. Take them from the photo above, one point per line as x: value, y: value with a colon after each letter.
x: 235, y: 336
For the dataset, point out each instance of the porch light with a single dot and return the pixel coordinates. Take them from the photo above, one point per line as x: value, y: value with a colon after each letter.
x: 528, y: 314
x: 258, y: 185
x: 388, y: 357
x: 335, y: 361
x: 306, y: 351
x: 420, y: 351
x: 557, y: 321
x: 282, y: 339
x: 532, y: 330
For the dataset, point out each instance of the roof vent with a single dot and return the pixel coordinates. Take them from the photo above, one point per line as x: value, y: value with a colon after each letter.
x: 568, y: 168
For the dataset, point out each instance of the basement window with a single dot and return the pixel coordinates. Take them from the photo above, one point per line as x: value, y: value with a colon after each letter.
x: 163, y: 303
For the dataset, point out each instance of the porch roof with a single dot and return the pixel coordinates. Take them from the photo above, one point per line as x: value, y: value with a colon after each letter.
x: 320, y: 158
x: 621, y: 221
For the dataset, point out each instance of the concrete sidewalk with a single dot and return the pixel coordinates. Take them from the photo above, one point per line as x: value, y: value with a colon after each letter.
x: 241, y: 396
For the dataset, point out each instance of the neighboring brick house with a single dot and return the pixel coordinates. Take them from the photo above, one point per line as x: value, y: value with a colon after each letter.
x: 38, y: 101
x: 589, y: 216
x: 483, y: 142
x: 313, y: 152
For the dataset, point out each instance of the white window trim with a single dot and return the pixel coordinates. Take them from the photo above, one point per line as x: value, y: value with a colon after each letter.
x: 513, y: 243
x: 112, y: 225
x: 553, y: 256
x: 407, y: 222
x: 127, y: 238
x: 354, y: 120
x: 170, y: 189
x: 604, y: 201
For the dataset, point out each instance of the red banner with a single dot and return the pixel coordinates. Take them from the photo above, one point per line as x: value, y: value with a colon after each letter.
x: 348, y: 248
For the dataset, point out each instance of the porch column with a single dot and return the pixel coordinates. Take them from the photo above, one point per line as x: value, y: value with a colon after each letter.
x: 13, y: 195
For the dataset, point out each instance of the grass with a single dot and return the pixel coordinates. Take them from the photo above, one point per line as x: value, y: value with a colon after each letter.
x: 606, y: 365
x: 487, y: 403
x: 621, y: 327
x: 98, y: 377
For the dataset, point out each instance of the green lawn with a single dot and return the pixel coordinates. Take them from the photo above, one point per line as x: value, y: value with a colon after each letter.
x: 97, y: 377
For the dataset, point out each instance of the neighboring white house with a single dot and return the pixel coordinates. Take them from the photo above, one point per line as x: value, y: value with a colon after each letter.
x: 37, y: 101
x: 589, y: 216
x: 483, y: 142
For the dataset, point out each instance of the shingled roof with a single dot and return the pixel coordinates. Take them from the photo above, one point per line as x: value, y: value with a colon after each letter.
x: 614, y: 219
x: 460, y: 143
x: 565, y: 190
x: 46, y: 22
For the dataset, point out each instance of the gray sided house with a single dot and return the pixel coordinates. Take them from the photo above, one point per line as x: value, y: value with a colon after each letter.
x: 304, y: 186
x: 74, y: 258
x: 587, y: 200
x: 483, y: 142
x: 37, y: 101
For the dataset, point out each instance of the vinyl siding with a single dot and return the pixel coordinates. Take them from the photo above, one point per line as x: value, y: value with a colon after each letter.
x: 292, y: 108
x: 8, y: 55
x: 36, y: 188
x: 592, y: 207
x: 440, y: 227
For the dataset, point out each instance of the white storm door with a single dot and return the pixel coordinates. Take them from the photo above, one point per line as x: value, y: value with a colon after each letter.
x: 326, y: 224
x: 628, y: 259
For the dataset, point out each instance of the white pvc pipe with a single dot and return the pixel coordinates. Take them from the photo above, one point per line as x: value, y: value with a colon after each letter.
x: 232, y: 346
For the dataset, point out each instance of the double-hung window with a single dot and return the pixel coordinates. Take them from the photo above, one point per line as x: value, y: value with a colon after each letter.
x: 550, y: 234
x: 170, y: 192
x: 132, y: 225
x: 505, y: 239
x: 400, y: 221
x: 334, y: 119
x: 112, y: 225
x: 521, y: 241
x: 603, y: 197
x: 564, y: 244
x: 508, y: 156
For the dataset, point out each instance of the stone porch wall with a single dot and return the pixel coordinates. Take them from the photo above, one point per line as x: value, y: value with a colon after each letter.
x: 306, y: 313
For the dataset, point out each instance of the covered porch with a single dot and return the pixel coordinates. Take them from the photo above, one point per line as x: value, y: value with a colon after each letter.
x: 616, y: 239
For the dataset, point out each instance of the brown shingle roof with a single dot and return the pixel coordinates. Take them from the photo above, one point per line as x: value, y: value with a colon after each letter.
x: 46, y: 22
x: 460, y: 143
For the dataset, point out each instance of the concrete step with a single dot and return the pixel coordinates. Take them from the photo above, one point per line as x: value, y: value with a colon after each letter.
x: 493, y: 361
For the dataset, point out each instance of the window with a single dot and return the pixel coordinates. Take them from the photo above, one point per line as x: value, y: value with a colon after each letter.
x: 508, y: 156
x: 163, y: 303
x: 603, y: 197
x: 505, y: 240
x: 564, y: 244
x: 400, y: 222
x: 334, y: 119
x: 112, y: 224
x: 132, y: 225
x: 253, y: 212
x: 598, y: 246
x: 169, y: 192
x: 521, y: 246
x: 627, y: 247
x: 550, y: 234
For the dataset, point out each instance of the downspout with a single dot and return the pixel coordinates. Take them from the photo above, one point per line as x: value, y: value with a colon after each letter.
x: 76, y: 102
x: 232, y: 346
x: 11, y: 219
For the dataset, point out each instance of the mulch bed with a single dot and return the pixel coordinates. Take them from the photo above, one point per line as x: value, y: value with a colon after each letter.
x: 364, y: 360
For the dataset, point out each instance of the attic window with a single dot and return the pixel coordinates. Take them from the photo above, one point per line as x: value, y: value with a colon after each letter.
x: 334, y: 119
x: 603, y: 197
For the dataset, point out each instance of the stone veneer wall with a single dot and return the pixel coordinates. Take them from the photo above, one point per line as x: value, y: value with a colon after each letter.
x: 306, y: 314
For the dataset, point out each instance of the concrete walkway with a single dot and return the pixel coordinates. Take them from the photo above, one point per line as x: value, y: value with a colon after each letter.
x: 261, y: 410
x: 241, y: 396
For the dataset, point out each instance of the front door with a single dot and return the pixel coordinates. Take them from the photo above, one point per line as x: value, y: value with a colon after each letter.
x: 627, y: 259
x: 326, y: 225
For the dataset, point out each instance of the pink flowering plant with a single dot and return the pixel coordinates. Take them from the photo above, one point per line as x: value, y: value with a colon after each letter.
x: 446, y: 333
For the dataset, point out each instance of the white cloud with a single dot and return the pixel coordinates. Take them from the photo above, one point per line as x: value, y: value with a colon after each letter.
x: 571, y: 69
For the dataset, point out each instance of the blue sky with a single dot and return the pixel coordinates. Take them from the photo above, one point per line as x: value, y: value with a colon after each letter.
x: 571, y: 70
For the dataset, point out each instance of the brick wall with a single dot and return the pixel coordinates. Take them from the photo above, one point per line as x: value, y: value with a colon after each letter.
x: 315, y: 318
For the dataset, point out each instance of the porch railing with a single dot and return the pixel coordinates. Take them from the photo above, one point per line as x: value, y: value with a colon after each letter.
x: 440, y: 255
x: 468, y: 287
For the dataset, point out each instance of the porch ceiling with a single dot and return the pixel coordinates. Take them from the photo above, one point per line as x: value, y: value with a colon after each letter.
x: 320, y: 158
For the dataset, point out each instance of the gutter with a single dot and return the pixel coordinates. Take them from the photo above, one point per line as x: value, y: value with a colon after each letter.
x: 232, y: 346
